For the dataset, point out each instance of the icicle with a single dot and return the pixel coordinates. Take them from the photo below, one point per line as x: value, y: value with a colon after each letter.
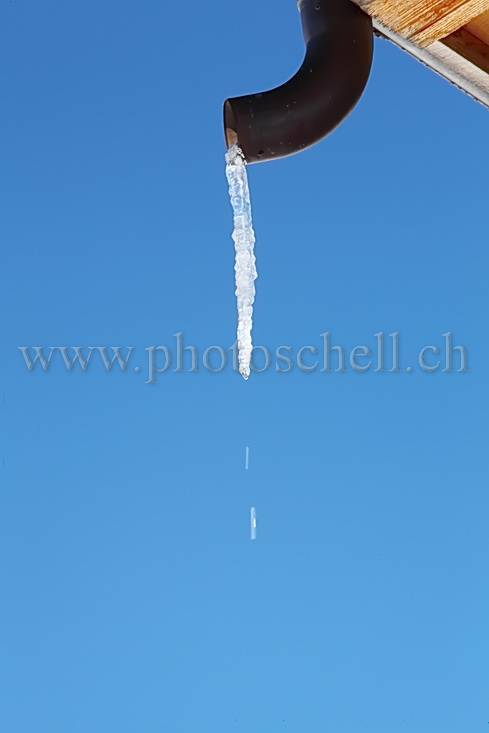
x: 244, y: 240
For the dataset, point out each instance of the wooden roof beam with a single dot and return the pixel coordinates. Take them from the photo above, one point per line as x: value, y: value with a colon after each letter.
x: 424, y: 21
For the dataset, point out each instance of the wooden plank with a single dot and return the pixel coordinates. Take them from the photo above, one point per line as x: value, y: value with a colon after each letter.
x: 479, y: 27
x: 470, y: 47
x: 441, y: 59
x: 424, y: 21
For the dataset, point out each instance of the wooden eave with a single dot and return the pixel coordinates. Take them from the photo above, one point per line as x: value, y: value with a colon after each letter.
x: 450, y: 36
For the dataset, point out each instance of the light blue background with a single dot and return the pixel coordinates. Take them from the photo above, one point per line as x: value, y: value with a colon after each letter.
x: 132, y: 598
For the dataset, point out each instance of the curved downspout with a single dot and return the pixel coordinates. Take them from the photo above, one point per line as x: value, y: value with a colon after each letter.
x: 296, y: 115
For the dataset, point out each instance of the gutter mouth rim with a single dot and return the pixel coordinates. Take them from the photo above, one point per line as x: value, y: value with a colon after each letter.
x: 229, y: 125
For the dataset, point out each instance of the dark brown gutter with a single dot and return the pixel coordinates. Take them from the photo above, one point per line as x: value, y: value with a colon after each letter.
x: 296, y: 115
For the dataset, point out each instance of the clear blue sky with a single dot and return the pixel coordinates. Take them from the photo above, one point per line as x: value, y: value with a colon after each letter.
x: 132, y: 598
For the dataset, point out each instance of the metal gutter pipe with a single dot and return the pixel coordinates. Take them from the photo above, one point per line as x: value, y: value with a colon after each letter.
x: 331, y: 80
